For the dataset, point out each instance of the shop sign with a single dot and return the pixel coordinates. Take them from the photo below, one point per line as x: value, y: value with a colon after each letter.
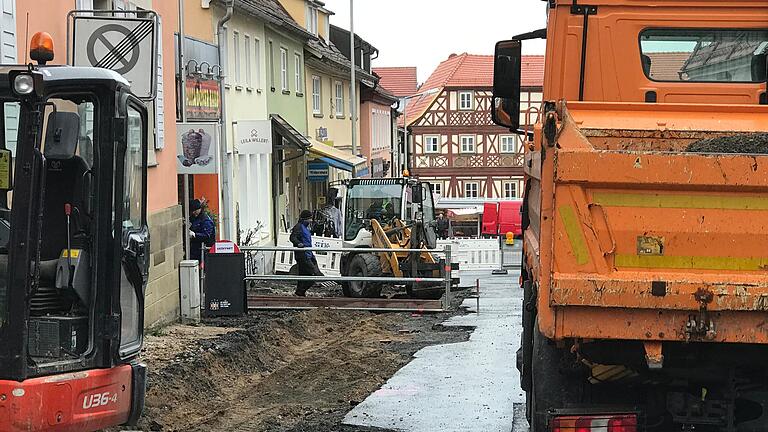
x: 317, y: 171
x: 254, y: 136
x: 203, y: 99
x: 196, y: 148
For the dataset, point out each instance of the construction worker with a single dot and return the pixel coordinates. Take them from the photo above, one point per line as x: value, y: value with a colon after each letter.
x: 301, y: 237
x: 202, y: 230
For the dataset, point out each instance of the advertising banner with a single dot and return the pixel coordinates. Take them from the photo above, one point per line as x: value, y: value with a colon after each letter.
x: 197, y: 147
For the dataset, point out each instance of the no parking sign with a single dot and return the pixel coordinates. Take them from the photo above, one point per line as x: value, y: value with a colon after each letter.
x: 124, y: 45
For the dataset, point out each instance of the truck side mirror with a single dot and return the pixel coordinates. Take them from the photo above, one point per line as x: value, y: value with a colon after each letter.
x: 506, y: 84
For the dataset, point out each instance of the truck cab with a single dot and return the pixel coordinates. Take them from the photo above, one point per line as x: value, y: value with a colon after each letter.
x: 73, y: 248
x: 645, y: 243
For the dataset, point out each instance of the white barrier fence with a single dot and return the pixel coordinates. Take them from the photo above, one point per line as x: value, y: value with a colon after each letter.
x: 329, y: 262
x: 474, y: 253
x: 471, y: 253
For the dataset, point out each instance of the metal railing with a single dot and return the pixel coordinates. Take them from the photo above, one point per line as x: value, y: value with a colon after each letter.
x: 446, y: 279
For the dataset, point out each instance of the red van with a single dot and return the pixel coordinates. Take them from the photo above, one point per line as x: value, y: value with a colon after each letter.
x: 490, y: 219
x: 510, y: 218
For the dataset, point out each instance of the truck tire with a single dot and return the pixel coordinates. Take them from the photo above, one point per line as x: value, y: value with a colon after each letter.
x: 554, y: 384
x: 365, y: 265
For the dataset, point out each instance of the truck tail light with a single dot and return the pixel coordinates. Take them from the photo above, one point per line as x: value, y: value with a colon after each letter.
x: 596, y: 423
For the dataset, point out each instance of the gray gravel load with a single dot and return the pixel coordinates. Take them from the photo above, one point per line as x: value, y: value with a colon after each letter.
x: 753, y: 143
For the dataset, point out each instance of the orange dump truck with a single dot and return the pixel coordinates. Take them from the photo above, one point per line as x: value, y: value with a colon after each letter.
x: 645, y: 217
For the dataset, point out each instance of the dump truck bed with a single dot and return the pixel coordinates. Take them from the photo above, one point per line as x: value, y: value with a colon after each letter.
x: 642, y: 240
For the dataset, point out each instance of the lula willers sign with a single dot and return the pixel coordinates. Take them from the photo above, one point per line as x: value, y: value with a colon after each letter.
x: 203, y: 99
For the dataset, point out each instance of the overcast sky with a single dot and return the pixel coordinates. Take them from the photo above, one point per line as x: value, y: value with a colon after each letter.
x: 422, y: 33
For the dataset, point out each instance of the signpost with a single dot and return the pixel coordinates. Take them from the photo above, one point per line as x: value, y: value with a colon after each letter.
x: 124, y: 45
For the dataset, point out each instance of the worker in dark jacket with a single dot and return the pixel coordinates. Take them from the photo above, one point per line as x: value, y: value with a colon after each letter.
x: 301, y: 237
x: 202, y: 231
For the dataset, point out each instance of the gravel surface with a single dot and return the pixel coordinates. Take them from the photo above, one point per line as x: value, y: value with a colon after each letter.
x: 754, y: 143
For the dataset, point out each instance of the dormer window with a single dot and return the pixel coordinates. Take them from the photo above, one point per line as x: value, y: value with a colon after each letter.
x: 312, y: 19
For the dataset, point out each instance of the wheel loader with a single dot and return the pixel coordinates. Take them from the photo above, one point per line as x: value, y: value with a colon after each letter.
x: 389, y: 213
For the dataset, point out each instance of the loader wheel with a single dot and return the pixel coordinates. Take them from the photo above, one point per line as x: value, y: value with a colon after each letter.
x: 365, y: 265
x: 554, y: 383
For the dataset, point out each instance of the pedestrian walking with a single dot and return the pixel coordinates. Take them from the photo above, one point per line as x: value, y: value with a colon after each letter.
x: 202, y: 230
x: 441, y: 227
x: 306, y: 262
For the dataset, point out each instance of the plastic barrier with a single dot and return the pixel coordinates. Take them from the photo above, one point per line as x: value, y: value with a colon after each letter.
x: 328, y: 262
x: 473, y: 253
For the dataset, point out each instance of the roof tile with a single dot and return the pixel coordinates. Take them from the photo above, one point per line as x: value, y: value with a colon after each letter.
x: 471, y: 70
x: 400, y: 81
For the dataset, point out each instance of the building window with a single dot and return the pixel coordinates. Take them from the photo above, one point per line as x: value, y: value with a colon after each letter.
x: 284, y: 69
x: 312, y: 20
x: 437, y: 189
x: 467, y: 143
x: 431, y: 144
x: 339, y: 99
x: 327, y: 27
x: 236, y: 56
x: 317, y: 107
x: 510, y: 189
x: 508, y: 143
x: 465, y: 100
x: 247, y: 46
x: 470, y: 189
x: 257, y: 61
x: 297, y: 72
x: 272, y: 66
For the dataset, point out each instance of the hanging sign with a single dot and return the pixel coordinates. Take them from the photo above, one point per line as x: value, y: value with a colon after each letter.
x: 254, y: 136
x: 203, y: 99
x: 317, y: 171
x: 196, y: 148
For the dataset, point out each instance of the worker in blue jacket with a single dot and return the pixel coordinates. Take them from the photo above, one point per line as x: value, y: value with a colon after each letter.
x: 202, y: 230
x: 301, y: 237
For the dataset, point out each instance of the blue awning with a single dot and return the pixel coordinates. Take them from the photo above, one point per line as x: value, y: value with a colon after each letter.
x: 337, y: 158
x: 342, y: 165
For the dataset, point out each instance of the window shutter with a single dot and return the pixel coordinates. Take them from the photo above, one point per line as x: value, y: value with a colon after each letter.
x: 159, y: 99
x: 8, y: 37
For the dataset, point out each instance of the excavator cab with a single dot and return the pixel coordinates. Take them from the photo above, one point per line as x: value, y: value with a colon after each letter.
x: 73, y: 248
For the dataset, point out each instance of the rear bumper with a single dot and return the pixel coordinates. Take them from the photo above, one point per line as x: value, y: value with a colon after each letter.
x: 74, y: 402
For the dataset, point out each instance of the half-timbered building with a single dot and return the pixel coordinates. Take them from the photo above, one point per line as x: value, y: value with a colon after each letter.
x: 454, y: 144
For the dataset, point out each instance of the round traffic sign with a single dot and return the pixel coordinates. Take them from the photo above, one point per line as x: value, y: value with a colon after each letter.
x: 121, y: 56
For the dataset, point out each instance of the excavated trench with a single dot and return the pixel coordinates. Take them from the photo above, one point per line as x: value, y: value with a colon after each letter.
x: 280, y: 371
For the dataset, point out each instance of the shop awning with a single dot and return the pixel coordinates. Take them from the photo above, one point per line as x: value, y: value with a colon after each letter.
x: 338, y: 158
x: 289, y: 133
x: 465, y: 212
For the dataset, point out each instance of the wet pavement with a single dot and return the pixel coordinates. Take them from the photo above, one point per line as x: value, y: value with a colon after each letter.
x: 468, y: 386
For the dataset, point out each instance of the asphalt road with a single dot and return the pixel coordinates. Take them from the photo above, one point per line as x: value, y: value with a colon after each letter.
x: 462, y: 387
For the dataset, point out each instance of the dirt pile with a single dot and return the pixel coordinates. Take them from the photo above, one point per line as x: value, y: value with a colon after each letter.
x: 284, y: 371
x: 753, y: 143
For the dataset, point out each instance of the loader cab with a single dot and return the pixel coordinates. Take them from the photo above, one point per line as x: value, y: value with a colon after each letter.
x: 73, y: 232
x: 385, y: 200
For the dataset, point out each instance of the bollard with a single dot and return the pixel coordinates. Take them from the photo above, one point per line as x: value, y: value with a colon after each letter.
x: 477, y: 281
x: 448, y: 280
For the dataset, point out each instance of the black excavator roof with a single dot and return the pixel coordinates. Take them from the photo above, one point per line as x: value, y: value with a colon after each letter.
x: 61, y: 74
